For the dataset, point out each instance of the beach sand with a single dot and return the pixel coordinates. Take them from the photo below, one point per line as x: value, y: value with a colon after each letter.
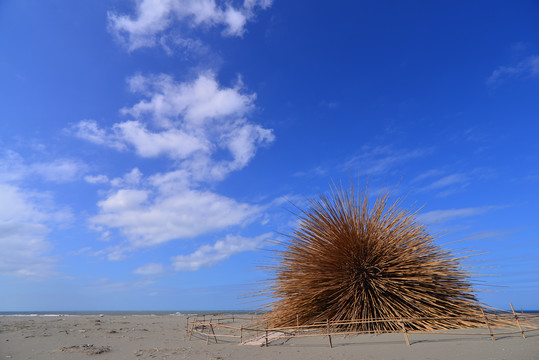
x: 164, y: 337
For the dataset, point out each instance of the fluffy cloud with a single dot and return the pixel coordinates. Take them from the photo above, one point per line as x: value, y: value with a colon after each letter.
x: 197, y: 102
x: 175, y: 143
x: 203, y: 129
x: 13, y: 168
x: 209, y: 255
x: 192, y: 123
x: 148, y: 219
x: 96, y: 179
x: 61, y: 170
x: 154, y: 19
x: 89, y: 130
x: 23, y: 234
x: 528, y: 67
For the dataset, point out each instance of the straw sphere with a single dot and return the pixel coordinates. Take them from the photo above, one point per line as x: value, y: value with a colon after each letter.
x: 347, y: 260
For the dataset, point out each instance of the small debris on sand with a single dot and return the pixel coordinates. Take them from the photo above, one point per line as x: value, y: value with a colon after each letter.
x: 89, y: 349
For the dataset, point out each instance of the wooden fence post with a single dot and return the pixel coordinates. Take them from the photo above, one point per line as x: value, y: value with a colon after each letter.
x: 192, y: 328
x: 266, y: 338
x: 518, y: 322
x: 488, y: 325
x: 241, y: 334
x: 329, y: 335
x: 213, y: 332
x: 405, y: 332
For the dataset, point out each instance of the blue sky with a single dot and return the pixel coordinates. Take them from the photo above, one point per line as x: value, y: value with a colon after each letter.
x: 150, y: 149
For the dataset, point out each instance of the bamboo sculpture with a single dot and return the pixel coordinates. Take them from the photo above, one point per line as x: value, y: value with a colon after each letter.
x: 348, y: 261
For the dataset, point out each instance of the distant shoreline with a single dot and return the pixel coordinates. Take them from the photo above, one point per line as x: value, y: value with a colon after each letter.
x: 127, y: 313
x: 150, y: 313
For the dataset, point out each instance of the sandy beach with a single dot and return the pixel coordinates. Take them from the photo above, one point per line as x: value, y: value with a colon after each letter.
x: 164, y: 337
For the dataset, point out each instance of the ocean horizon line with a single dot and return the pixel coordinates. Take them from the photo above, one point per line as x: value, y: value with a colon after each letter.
x: 156, y: 312
x: 126, y: 312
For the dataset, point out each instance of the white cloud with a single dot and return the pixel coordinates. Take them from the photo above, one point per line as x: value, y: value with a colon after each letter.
x: 90, y: 131
x: 381, y: 159
x: 149, y: 221
x: 156, y: 19
x: 96, y: 179
x: 193, y: 123
x: 61, y: 170
x: 195, y: 102
x: 209, y: 255
x: 203, y: 128
x: 528, y: 67
x: 173, y: 142
x: 124, y: 200
x: 14, y: 168
x: 448, y: 180
x: 449, y: 214
x: 23, y: 233
x: 131, y: 179
x: 242, y: 143
x: 150, y: 269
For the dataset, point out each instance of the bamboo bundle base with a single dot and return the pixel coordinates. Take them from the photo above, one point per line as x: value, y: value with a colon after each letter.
x: 504, y: 324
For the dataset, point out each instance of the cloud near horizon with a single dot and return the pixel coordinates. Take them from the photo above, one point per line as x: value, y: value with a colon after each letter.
x: 23, y: 231
x: 209, y: 255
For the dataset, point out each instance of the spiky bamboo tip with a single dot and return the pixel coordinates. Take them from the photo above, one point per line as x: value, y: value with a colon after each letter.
x: 348, y: 261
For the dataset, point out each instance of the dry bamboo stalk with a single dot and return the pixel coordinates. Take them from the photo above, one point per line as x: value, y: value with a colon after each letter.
x: 405, y: 333
x: 214, y: 337
x: 488, y: 325
x: 518, y: 322
x: 226, y: 335
x: 339, y: 324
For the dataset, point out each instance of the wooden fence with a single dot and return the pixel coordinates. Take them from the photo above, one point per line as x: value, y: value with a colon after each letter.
x: 254, y: 333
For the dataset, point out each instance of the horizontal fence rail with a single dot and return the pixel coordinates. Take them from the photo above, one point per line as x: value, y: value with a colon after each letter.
x: 248, y: 330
